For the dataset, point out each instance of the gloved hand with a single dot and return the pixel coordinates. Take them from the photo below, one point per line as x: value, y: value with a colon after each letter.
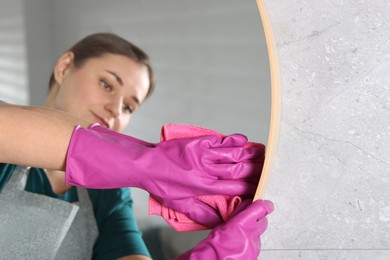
x: 239, y: 238
x: 174, y: 171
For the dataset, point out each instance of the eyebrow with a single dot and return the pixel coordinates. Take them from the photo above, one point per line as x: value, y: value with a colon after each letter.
x: 120, y: 81
x: 136, y: 100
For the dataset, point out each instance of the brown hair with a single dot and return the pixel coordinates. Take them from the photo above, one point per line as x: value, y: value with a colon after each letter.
x: 96, y: 45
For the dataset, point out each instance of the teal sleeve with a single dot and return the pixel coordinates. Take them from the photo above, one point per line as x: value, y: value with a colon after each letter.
x: 5, y: 174
x: 119, y: 234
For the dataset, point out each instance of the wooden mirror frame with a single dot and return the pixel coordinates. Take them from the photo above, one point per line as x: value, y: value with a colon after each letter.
x: 275, y: 100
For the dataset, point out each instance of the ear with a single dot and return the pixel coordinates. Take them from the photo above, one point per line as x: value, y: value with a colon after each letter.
x: 63, y: 66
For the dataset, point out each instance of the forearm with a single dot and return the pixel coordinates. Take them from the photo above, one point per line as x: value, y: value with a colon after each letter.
x: 35, y: 136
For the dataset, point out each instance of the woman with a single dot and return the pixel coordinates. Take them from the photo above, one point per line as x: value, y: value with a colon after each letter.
x: 104, y: 79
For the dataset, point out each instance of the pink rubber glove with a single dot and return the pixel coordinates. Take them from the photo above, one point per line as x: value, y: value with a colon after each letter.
x: 174, y: 171
x: 239, y: 238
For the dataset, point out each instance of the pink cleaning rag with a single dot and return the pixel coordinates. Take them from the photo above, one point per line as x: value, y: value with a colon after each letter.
x: 224, y: 204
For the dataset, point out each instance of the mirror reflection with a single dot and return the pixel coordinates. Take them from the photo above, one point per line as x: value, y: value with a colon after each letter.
x: 209, y: 58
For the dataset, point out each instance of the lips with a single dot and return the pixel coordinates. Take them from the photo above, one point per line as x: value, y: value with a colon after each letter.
x: 101, y: 121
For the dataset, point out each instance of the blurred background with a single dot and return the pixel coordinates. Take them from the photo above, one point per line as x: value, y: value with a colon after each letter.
x: 210, y: 61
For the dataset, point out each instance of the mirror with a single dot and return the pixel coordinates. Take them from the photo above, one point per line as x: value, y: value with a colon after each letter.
x: 210, y: 61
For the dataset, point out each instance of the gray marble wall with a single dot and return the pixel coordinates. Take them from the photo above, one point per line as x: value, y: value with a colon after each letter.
x: 330, y: 181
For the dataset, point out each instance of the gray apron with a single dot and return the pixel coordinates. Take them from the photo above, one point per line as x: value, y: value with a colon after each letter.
x: 32, y: 226
x: 81, y: 237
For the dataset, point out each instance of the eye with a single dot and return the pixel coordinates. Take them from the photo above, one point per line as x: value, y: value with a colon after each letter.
x: 127, y: 109
x: 106, y: 85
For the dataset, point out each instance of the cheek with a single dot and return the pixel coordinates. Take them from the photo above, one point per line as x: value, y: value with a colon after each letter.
x: 89, y: 91
x: 86, y: 87
x: 78, y: 96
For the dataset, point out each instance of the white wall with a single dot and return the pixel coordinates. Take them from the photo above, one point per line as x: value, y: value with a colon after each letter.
x: 13, y: 63
x: 39, y: 33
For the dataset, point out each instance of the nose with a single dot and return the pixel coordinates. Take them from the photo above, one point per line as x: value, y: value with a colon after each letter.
x: 114, y: 106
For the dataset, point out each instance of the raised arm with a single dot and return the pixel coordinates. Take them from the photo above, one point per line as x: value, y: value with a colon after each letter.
x: 35, y: 136
x: 175, y: 172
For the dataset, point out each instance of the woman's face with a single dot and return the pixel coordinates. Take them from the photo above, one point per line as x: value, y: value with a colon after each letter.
x: 105, y: 89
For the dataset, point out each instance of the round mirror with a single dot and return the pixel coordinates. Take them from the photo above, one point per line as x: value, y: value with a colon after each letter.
x: 210, y: 60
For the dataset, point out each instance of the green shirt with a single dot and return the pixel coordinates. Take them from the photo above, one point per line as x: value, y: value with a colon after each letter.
x: 113, y: 210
